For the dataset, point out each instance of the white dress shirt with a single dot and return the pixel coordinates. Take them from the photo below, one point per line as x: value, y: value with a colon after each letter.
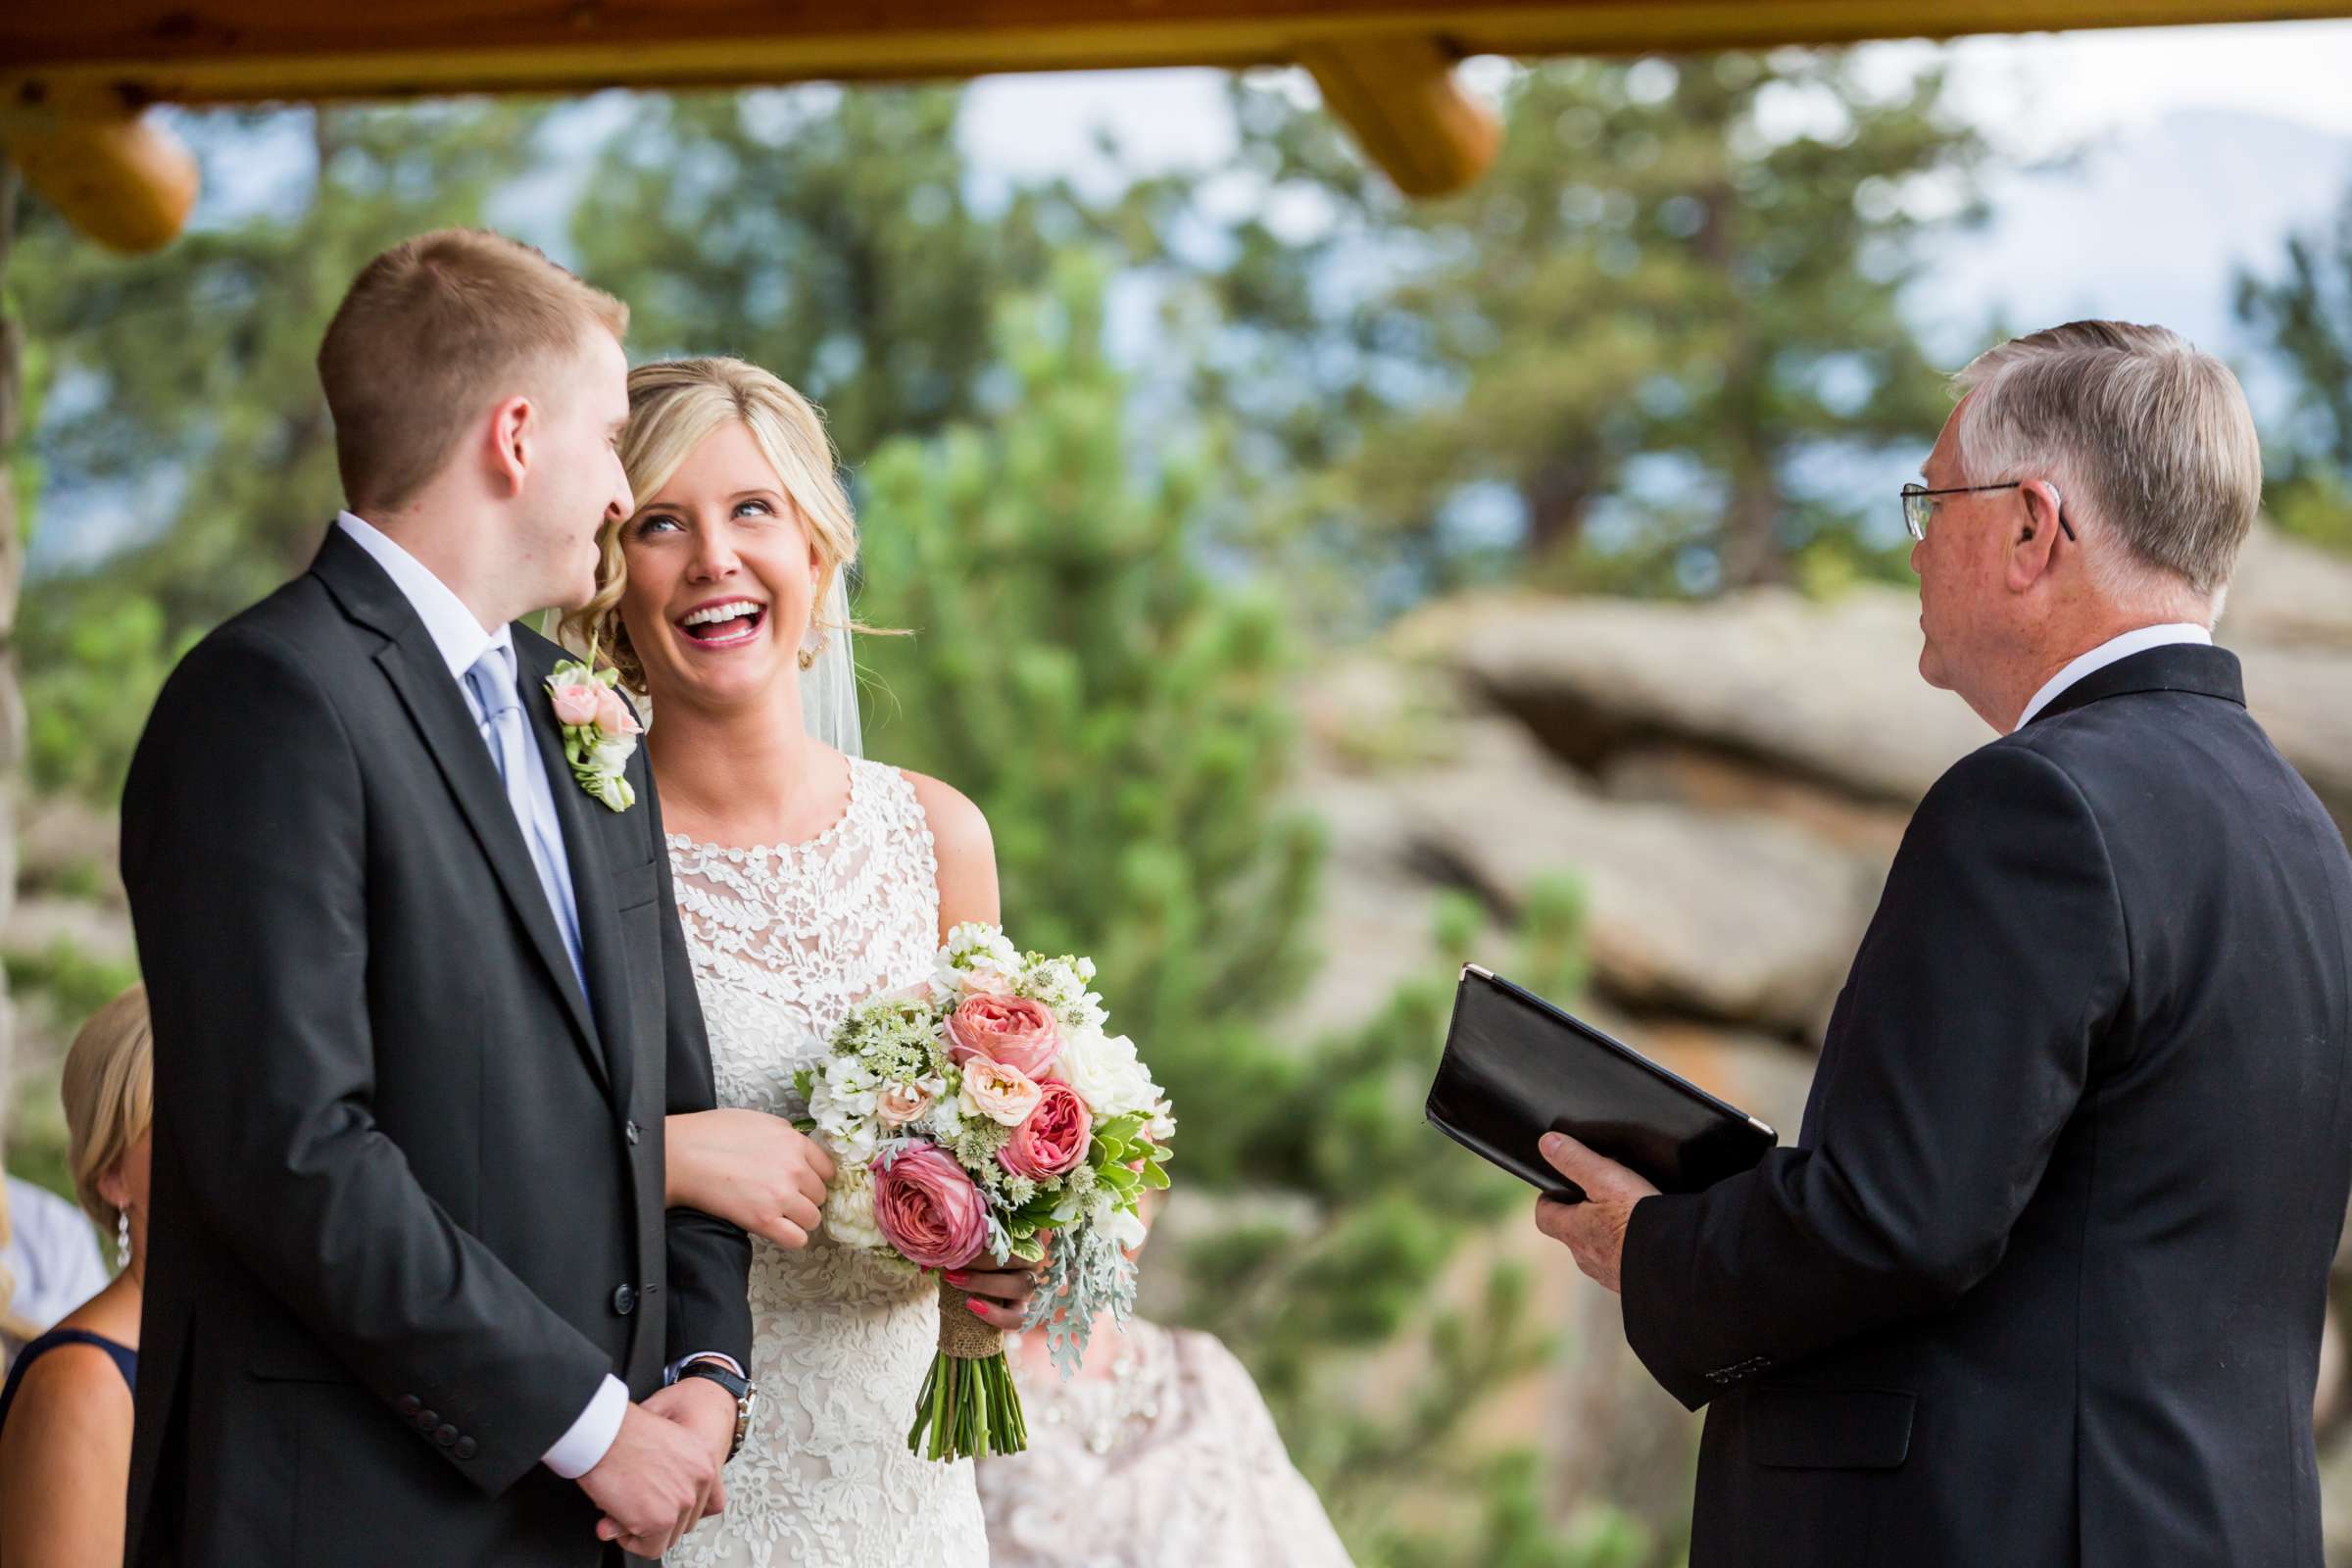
x: 462, y: 640
x: 2108, y: 653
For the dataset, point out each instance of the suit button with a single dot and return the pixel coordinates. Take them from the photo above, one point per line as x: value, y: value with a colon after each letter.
x: 426, y: 1420
x: 409, y: 1404
x: 464, y: 1448
x: 447, y: 1437
x: 632, y: 1131
x: 625, y: 1301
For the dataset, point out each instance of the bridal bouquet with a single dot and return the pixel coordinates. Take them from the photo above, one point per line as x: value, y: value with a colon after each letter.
x: 973, y: 1116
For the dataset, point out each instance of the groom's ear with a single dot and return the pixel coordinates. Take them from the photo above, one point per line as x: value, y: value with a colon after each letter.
x: 513, y: 428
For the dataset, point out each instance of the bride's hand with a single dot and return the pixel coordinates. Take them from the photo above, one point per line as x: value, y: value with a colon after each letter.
x: 748, y: 1168
x: 1001, y: 1299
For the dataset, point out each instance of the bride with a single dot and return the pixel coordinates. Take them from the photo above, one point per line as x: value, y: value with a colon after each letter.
x: 807, y: 879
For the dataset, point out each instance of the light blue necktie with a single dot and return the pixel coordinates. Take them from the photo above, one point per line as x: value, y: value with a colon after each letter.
x: 524, y: 774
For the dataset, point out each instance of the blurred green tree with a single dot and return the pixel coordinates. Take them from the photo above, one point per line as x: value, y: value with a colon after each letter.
x: 1636, y: 351
x: 1120, y: 713
x: 2304, y: 315
x: 181, y: 403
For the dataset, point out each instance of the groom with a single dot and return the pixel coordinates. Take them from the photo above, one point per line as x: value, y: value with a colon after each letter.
x: 422, y: 1004
x: 2043, y: 1281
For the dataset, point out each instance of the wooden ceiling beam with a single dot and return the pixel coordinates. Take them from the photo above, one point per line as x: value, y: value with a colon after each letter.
x: 210, y: 51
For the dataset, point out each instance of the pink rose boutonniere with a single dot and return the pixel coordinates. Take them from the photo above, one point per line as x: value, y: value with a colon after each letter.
x: 600, y: 733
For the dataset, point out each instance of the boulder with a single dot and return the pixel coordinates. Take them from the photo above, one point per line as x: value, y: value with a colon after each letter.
x: 2288, y: 593
x: 2303, y: 696
x: 1721, y: 916
x: 1828, y: 692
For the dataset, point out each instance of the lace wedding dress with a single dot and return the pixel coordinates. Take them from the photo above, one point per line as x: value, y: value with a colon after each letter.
x: 784, y: 940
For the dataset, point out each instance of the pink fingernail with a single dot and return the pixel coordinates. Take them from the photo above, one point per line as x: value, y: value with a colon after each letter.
x: 977, y: 1309
x: 957, y: 1276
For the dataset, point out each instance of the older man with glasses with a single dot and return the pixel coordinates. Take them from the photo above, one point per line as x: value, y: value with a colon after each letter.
x: 2042, y: 1280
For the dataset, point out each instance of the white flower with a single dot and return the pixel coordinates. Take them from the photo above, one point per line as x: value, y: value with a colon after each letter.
x: 1106, y: 1072
x: 1125, y: 1229
x: 850, y: 1207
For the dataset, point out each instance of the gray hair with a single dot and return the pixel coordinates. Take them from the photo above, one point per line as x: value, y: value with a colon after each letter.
x: 2147, y: 440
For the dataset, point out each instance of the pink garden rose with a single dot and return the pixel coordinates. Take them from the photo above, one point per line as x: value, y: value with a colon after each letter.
x: 928, y: 1209
x: 575, y: 705
x: 1017, y: 1031
x: 613, y: 715
x: 1055, y: 1138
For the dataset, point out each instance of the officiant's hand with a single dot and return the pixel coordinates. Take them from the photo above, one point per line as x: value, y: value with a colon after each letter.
x: 1595, y: 1229
x: 653, y: 1482
x: 748, y: 1168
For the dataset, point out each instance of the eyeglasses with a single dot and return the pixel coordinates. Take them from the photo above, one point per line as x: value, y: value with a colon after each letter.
x: 1919, y: 503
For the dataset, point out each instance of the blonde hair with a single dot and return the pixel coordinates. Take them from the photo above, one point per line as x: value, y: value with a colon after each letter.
x: 675, y: 405
x: 429, y: 333
x: 108, y: 1090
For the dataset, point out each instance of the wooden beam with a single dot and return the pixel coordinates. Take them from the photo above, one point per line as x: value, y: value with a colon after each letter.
x: 198, y: 51
x: 1409, y: 113
x: 113, y: 172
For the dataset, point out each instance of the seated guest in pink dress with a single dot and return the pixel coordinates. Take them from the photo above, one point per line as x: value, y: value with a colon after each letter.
x: 1159, y: 1450
x: 66, y: 1408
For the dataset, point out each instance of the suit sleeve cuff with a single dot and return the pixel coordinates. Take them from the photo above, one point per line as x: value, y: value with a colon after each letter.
x: 584, y: 1448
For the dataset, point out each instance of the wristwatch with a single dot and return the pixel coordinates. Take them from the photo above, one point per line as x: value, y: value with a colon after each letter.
x: 745, y: 1391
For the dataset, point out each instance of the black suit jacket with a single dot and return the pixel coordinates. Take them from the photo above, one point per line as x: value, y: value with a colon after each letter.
x: 2043, y: 1281
x: 408, y: 1181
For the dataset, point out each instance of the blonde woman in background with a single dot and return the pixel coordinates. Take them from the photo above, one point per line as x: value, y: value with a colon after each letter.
x: 65, y: 1409
x: 809, y: 879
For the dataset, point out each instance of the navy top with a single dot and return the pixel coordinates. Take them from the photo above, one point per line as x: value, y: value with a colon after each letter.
x: 126, y: 1361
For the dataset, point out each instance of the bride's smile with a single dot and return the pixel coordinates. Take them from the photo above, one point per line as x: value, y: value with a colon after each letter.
x: 722, y: 573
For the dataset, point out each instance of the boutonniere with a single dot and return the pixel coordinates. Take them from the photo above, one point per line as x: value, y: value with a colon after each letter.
x: 600, y: 733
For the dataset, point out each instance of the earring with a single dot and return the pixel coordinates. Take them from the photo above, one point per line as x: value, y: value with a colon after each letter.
x: 810, y: 651
x: 121, y: 1238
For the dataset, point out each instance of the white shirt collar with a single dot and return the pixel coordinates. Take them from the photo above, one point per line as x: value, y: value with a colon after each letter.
x: 2107, y: 653
x: 459, y: 637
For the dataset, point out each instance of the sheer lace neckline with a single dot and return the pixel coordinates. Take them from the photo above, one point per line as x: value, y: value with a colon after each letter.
x: 790, y: 849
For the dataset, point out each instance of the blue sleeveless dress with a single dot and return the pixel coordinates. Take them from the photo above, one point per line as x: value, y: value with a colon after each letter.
x: 126, y: 1361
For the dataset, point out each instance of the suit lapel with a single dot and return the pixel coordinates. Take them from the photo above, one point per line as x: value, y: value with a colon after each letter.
x: 600, y: 952
x: 414, y: 665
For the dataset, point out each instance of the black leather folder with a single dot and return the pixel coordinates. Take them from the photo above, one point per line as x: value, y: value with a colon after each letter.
x: 1517, y: 1067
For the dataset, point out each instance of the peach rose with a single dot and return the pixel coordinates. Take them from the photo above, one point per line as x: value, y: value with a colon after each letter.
x: 1055, y: 1138
x: 928, y: 1209
x: 613, y: 715
x: 1017, y: 1031
x: 575, y: 705
x: 900, y: 1104
x: 1003, y: 1094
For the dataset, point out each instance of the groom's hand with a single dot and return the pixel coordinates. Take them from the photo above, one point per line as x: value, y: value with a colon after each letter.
x: 1595, y: 1229
x: 706, y: 1410
x: 652, y: 1482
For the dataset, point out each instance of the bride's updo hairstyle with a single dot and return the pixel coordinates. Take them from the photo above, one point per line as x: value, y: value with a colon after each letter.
x: 674, y: 404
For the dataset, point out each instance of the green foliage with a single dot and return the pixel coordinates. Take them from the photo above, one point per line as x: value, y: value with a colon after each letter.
x: 181, y: 387
x: 1630, y: 337
x: 2305, y: 316
x: 829, y: 236
x: 1115, y: 710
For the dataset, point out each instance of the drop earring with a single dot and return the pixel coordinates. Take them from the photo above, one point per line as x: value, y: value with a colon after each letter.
x: 811, y: 646
x: 121, y: 1238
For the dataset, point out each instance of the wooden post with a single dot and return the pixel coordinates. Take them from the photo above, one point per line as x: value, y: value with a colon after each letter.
x: 113, y: 172
x: 1409, y: 113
